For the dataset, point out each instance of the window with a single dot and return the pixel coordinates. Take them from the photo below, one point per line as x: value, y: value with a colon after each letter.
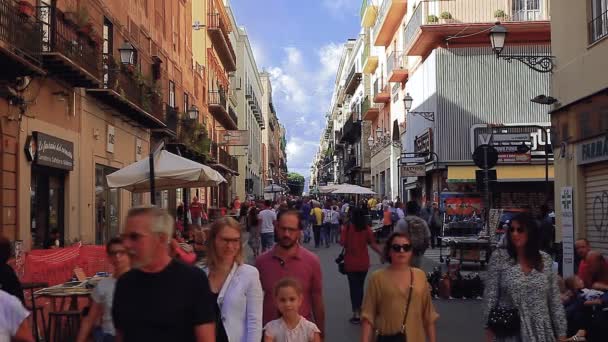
x: 107, y: 49
x: 172, y: 94
x: 186, y: 102
x: 107, y: 204
x: 598, y: 25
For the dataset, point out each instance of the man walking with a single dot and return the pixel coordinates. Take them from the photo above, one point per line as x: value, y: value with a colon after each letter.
x: 435, y: 222
x: 306, y: 219
x: 196, y: 211
x: 289, y: 259
x: 317, y: 221
x: 268, y: 220
x: 418, y: 230
x: 160, y: 299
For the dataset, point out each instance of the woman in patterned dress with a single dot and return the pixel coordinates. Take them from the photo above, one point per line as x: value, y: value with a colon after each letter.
x: 527, y: 283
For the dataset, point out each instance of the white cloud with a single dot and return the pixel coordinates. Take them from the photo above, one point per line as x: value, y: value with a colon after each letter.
x: 299, y: 155
x: 342, y: 8
x: 258, y: 53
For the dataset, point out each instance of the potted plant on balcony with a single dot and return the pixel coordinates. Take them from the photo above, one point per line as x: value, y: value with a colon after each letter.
x: 445, y: 17
x: 432, y: 19
x: 26, y: 8
x: 500, y: 15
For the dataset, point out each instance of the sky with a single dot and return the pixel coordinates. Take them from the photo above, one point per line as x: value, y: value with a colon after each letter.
x: 299, y: 43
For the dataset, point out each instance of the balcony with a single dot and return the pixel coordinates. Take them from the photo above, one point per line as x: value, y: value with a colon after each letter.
x: 369, y: 12
x: 370, y: 111
x: 351, y: 131
x: 230, y: 163
x: 380, y: 144
x: 219, y: 28
x: 219, y: 109
x: 381, y: 94
x: 598, y: 28
x: 370, y: 63
x: 133, y: 98
x: 20, y: 43
x: 353, y: 81
x: 67, y: 53
x: 397, y: 67
x: 433, y: 21
x: 389, y: 19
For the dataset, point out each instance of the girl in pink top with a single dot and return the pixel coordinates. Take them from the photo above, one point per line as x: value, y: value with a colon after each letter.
x: 291, y: 327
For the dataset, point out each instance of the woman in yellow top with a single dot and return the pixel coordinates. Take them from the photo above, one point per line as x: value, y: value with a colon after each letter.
x: 388, y: 296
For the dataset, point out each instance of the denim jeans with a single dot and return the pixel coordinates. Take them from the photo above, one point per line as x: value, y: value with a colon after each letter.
x: 335, y: 233
x: 326, y: 232
x: 317, y: 235
x: 267, y: 241
x: 356, y: 282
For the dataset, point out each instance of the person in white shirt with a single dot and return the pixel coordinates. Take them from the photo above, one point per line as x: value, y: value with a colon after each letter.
x: 14, y: 326
x: 268, y: 220
x: 334, y: 235
x: 327, y: 219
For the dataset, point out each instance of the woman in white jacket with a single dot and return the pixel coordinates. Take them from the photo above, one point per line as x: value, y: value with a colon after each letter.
x: 235, y: 285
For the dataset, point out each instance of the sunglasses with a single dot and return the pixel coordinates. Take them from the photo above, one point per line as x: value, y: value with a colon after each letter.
x: 132, y: 236
x: 401, y: 248
x: 520, y: 230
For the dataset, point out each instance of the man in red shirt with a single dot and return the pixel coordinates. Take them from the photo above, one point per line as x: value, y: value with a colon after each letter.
x: 196, y: 211
x: 288, y: 259
x: 593, y: 269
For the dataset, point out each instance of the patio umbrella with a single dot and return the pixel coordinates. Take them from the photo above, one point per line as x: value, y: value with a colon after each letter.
x: 272, y: 188
x: 351, y: 189
x: 170, y: 172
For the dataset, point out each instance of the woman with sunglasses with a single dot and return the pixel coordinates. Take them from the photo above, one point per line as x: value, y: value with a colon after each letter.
x: 103, y: 294
x: 521, y: 277
x: 398, y: 297
x: 236, y: 286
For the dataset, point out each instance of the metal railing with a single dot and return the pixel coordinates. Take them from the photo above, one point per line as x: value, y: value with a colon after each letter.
x: 233, y: 115
x: 227, y: 160
x: 395, y: 61
x: 59, y: 36
x: 380, y: 144
x: 598, y: 28
x: 22, y: 34
x: 439, y: 12
x: 171, y: 118
x: 217, y: 21
x: 218, y: 97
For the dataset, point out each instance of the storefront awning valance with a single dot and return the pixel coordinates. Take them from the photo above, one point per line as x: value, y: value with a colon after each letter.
x: 504, y: 173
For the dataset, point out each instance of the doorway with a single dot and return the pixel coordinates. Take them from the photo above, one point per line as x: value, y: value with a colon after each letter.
x: 46, y: 204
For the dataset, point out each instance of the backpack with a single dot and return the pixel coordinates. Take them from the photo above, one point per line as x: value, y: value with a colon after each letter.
x: 418, y: 234
x: 394, y: 216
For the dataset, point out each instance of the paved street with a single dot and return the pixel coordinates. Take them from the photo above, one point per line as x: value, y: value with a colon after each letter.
x: 460, y: 319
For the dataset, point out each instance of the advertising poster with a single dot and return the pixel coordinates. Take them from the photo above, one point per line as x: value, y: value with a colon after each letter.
x: 461, y: 205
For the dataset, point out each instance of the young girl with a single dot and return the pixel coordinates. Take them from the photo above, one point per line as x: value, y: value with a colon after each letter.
x: 291, y: 327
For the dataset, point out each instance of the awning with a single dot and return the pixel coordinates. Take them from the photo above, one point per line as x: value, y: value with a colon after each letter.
x: 504, y: 173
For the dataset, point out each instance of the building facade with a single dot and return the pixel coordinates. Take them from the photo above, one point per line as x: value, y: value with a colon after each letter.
x: 580, y: 118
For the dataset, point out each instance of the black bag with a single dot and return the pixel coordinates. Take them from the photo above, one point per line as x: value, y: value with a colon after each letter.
x: 400, y: 336
x: 503, y: 321
x: 340, y: 262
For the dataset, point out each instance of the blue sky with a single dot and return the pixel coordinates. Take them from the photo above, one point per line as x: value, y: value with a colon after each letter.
x: 299, y: 44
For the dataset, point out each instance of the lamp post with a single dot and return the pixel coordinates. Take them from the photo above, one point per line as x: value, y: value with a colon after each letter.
x: 498, y: 36
x: 407, y: 103
x: 193, y: 113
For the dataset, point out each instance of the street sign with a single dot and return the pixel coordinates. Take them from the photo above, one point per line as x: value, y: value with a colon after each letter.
x: 413, y: 170
x: 485, y: 156
x: 413, y: 160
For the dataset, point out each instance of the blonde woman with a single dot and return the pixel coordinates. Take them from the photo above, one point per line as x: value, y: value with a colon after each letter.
x: 235, y: 285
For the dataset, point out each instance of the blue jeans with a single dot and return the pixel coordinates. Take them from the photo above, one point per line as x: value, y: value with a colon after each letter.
x: 267, y: 241
x: 326, y: 233
x: 334, y: 235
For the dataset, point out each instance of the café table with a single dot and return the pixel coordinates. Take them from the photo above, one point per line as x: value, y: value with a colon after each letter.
x: 71, y: 290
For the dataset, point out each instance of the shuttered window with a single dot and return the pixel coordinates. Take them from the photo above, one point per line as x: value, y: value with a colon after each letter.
x: 596, y: 206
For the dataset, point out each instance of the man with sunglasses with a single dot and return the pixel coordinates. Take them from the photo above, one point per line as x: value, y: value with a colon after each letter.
x: 160, y: 299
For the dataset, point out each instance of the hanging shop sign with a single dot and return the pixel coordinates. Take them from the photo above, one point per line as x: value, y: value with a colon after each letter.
x: 424, y: 142
x: 413, y: 170
x: 47, y: 150
x: 592, y: 151
x: 234, y: 138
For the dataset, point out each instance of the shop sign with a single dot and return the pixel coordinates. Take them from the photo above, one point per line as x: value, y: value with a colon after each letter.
x: 515, y: 145
x: 566, y: 200
x: 111, y: 139
x: 424, y: 143
x: 234, y: 138
x: 53, y: 152
x: 413, y: 170
x: 592, y: 151
x: 138, y: 149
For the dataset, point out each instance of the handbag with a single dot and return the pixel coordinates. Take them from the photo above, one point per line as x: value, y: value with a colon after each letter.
x: 503, y: 321
x: 340, y: 259
x: 400, y: 336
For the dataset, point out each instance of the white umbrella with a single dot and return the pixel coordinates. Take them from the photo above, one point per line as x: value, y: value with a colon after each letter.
x: 352, y: 189
x: 273, y: 188
x: 170, y: 172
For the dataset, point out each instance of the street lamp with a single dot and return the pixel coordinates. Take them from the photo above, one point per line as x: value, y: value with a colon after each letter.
x: 498, y: 36
x: 407, y: 103
x: 370, y: 141
x: 379, y: 132
x: 127, y: 51
x: 193, y: 113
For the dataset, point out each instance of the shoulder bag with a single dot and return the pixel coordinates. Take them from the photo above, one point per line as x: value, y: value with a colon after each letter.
x: 503, y: 321
x: 400, y: 336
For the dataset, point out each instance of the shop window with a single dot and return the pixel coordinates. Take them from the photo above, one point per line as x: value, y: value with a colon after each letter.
x: 107, y: 204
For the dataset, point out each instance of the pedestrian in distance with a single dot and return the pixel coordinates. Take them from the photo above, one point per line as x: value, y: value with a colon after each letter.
x: 254, y: 231
x: 306, y: 219
x: 291, y: 326
x: 160, y: 299
x: 317, y: 216
x: 417, y: 229
x: 289, y: 259
x: 397, y: 302
x: 196, y: 212
x: 355, y: 238
x: 14, y: 325
x: 103, y: 294
x: 268, y: 220
x: 334, y: 234
x: 235, y: 285
x: 387, y: 222
x: 593, y: 267
x: 327, y: 221
x: 521, y: 278
x: 435, y: 223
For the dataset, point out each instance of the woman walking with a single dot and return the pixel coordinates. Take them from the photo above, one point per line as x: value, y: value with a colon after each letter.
x: 521, y: 278
x: 397, y: 302
x: 235, y: 285
x: 253, y: 225
x: 355, y: 238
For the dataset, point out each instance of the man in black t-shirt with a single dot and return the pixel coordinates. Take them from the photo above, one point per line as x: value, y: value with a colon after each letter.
x: 160, y: 299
